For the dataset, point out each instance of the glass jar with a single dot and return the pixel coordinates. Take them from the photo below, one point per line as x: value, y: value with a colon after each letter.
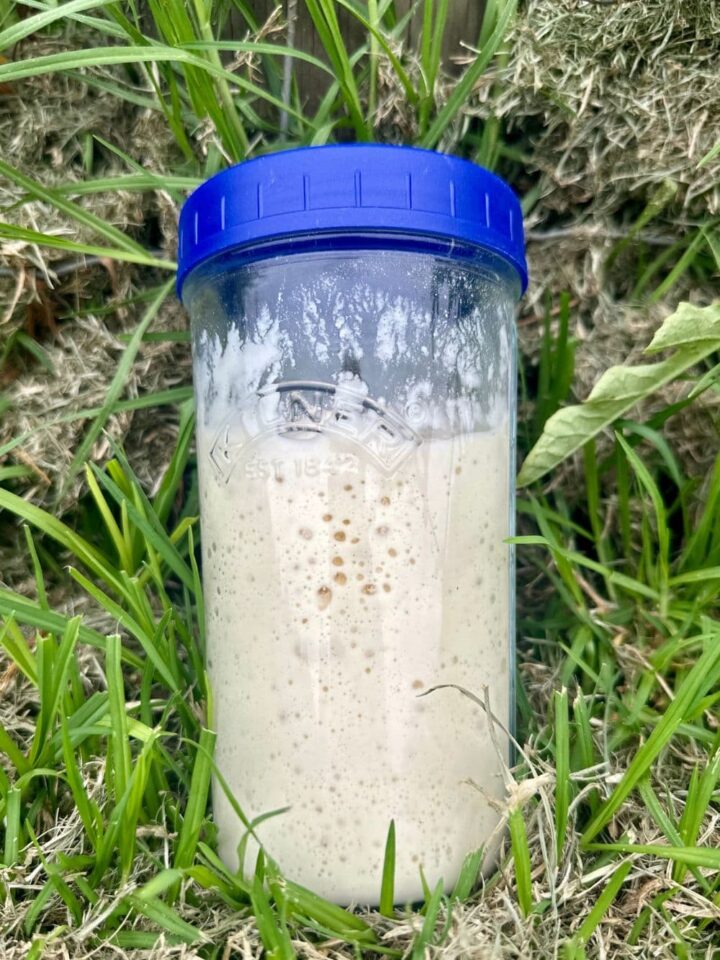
x: 354, y: 363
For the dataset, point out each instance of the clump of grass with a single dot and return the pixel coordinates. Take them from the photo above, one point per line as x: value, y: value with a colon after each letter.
x: 124, y: 769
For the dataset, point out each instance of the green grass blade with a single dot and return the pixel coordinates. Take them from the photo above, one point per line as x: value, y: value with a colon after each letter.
x: 304, y: 903
x: 119, y: 55
x: 667, y: 826
x: 584, y: 754
x: 129, y: 182
x: 111, y: 526
x: 426, y: 934
x: 70, y: 209
x: 128, y: 821
x: 31, y: 25
x: 521, y: 859
x: 387, y: 888
x: 148, y: 526
x: 37, y: 568
x: 87, y: 810
x: 425, y: 47
x: 159, y: 913
x: 119, y: 91
x: 53, y: 678
x: 260, y: 48
x: 702, y: 677
x: 119, y: 760
x: 13, y: 829
x: 680, y: 267
x: 326, y: 24
x: 16, y: 647
x: 373, y: 19
x: 602, y: 905
x: 663, y: 534
x: 37, y: 907
x: 117, y: 385
x: 27, y: 611
x: 14, y: 472
x: 436, y: 40
x: 14, y: 754
x: 45, y: 650
x: 172, y: 478
x: 197, y: 650
x: 468, y: 875
x: 458, y: 98
x: 698, y: 804
x: 274, y: 936
x: 562, y: 770
x: 704, y: 857
x: 631, y: 584
x: 196, y: 808
x: 378, y: 38
x: 9, y: 231
x: 118, y: 611
x: 661, y: 196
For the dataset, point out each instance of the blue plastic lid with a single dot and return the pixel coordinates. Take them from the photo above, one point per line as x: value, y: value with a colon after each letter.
x: 351, y: 188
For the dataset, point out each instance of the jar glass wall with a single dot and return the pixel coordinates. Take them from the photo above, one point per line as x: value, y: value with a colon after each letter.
x: 356, y: 411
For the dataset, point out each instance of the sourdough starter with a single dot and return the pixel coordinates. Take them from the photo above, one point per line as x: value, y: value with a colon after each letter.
x: 336, y: 595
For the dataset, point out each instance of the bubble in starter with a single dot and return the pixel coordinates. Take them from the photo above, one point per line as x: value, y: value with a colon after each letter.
x: 327, y: 517
x: 369, y: 588
x: 324, y: 597
x: 305, y: 533
x: 338, y: 561
x: 340, y: 535
x: 340, y: 578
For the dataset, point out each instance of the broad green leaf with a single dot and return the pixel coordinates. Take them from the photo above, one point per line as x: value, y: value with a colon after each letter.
x: 689, y: 324
x: 693, y: 333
